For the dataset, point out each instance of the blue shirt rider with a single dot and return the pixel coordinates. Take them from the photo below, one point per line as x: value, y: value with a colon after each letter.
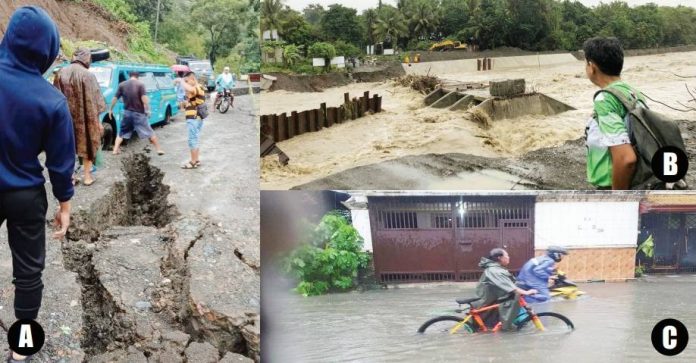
x: 535, y: 274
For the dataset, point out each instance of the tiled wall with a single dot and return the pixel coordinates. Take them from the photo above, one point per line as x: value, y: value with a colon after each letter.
x: 610, y: 264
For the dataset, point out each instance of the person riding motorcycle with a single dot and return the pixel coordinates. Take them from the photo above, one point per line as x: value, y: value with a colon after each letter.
x: 224, y: 82
x: 537, y: 272
x: 495, y: 283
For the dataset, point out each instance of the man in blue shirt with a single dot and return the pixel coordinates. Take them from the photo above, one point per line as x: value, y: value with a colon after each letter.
x: 35, y: 118
x: 536, y: 273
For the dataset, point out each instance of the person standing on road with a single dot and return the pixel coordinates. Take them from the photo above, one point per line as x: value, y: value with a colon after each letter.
x: 611, y: 159
x: 136, y: 112
x: 194, y: 118
x: 180, y: 90
x: 86, y: 102
x: 35, y: 118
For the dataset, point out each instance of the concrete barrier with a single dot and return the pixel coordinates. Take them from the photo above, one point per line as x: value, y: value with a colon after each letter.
x: 522, y: 105
x: 464, y: 103
x: 498, y: 63
x: 434, y: 96
x: 447, y: 100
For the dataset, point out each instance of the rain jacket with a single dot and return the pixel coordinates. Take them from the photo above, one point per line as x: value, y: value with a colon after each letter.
x: 497, y: 282
x: 85, y: 102
x: 35, y: 116
x: 535, y: 275
x: 223, y: 84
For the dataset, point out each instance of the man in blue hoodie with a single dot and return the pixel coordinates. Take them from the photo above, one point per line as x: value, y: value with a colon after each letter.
x: 35, y: 118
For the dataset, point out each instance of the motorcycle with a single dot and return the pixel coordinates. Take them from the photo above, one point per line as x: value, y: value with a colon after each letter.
x: 564, y: 288
x: 224, y: 101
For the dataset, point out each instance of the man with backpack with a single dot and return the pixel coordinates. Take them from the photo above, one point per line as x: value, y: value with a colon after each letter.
x: 623, y: 135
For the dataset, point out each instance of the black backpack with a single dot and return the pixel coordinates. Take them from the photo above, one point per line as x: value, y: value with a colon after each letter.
x: 648, y: 132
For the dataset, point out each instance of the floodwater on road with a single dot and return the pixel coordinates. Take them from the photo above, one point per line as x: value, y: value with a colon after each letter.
x: 613, y: 322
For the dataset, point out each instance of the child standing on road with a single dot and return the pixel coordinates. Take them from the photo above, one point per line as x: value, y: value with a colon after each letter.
x: 196, y: 112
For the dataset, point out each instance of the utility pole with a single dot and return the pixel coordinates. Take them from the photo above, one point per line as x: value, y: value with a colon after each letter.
x: 157, y: 20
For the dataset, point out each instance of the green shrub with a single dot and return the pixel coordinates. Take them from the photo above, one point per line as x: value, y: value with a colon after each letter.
x: 346, y: 49
x: 330, y: 260
x: 291, y: 54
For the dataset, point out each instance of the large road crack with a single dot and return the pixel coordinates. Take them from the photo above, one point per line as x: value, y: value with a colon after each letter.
x: 127, y: 310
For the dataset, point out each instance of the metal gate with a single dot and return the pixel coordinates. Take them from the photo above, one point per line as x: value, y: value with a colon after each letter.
x: 418, y: 239
x: 674, y: 236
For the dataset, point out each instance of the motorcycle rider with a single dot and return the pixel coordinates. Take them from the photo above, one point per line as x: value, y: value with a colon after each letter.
x: 225, y: 81
x: 536, y: 273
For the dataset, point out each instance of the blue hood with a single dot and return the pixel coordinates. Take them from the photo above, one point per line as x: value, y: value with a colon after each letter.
x: 35, y: 115
x: 31, y: 42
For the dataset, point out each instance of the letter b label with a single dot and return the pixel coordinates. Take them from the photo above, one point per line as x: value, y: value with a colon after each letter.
x: 669, y: 164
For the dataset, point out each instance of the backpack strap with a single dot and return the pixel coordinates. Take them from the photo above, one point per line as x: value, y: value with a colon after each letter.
x: 628, y: 104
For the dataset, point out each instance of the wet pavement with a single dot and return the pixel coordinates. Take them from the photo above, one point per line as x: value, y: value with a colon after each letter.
x: 194, y: 274
x: 613, y: 323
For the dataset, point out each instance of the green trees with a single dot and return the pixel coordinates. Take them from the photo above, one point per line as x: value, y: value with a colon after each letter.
x: 291, y: 54
x: 341, y: 23
x: 423, y: 19
x: 527, y: 24
x: 223, y: 27
x: 391, y: 24
x: 323, y: 50
x: 271, y: 15
x: 330, y: 260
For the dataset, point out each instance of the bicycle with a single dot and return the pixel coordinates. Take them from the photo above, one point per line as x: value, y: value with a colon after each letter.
x: 472, y: 322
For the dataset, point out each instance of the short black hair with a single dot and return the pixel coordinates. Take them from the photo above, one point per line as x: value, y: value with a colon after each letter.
x: 135, y: 74
x: 606, y: 53
x: 496, y: 254
x: 188, y: 73
x: 180, y: 74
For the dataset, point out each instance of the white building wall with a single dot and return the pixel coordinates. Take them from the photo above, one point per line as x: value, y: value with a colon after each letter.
x: 361, y: 222
x: 585, y: 224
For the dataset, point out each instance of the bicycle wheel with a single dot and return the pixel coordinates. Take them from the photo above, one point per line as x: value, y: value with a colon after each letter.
x: 444, y: 324
x: 552, y: 322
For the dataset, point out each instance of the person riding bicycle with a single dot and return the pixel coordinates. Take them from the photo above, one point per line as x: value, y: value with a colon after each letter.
x: 224, y: 82
x: 495, y: 283
x: 537, y: 272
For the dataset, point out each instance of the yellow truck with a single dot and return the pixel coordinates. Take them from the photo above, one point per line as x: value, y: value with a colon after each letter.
x: 447, y: 45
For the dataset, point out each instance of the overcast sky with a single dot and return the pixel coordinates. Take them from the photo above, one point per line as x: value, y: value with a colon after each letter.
x: 366, y: 4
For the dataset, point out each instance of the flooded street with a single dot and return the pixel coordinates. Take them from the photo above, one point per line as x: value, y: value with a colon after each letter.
x: 613, y: 320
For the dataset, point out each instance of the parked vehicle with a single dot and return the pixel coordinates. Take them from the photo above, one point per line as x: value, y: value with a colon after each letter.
x: 202, y: 68
x: 159, y: 84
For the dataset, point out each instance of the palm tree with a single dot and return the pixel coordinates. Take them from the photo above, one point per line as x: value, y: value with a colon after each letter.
x: 370, y: 18
x: 291, y: 54
x: 271, y: 15
x: 422, y: 19
x: 390, y: 26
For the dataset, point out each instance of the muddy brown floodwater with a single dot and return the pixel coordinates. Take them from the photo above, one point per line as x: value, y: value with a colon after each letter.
x: 409, y: 145
x: 612, y: 323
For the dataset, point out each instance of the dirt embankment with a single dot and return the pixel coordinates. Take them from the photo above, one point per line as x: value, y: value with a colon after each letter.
x: 318, y: 83
x: 308, y: 83
x: 71, y: 20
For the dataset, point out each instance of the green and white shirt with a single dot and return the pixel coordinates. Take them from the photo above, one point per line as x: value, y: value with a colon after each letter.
x: 607, y: 128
